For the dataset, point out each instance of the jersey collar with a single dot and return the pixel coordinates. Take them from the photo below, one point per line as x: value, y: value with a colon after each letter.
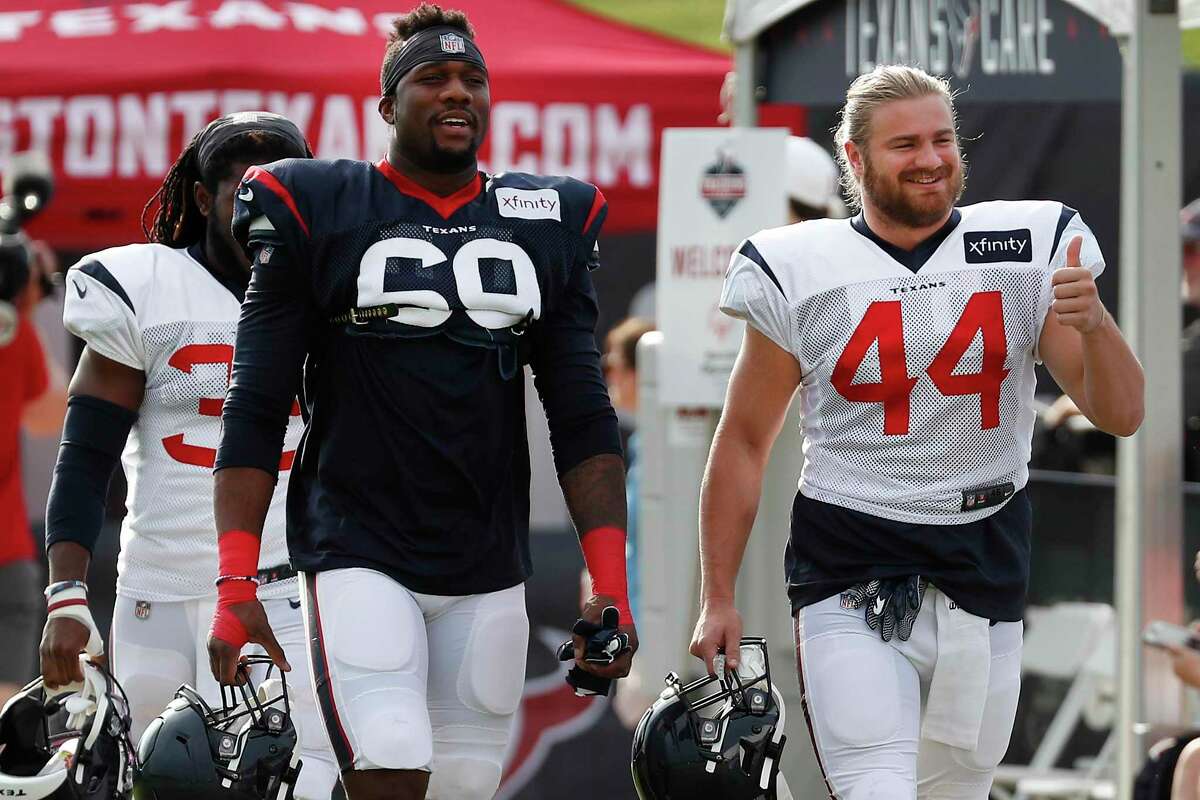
x: 444, y: 206
x: 910, y: 259
x: 238, y: 290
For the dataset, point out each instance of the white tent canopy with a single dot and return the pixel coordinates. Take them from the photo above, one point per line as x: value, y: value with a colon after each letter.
x: 745, y: 19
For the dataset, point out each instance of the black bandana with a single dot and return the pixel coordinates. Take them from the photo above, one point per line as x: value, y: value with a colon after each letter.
x: 222, y: 129
x: 441, y: 43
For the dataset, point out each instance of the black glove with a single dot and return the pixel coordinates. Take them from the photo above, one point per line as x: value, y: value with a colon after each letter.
x: 891, y: 604
x: 602, y: 644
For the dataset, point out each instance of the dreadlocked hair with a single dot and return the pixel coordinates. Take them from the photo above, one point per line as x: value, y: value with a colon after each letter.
x: 426, y: 15
x: 171, y: 217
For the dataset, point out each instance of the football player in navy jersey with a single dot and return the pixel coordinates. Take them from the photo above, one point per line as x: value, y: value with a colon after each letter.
x: 911, y: 333
x: 403, y: 300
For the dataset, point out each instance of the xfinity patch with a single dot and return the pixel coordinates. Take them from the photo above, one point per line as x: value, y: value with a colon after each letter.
x: 990, y: 247
x: 529, y: 203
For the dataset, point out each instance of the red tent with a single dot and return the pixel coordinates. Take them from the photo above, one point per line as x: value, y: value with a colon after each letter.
x: 112, y: 92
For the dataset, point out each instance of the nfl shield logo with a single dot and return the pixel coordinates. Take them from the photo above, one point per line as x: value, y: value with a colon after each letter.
x: 142, y: 609
x: 723, y: 184
x: 453, y: 43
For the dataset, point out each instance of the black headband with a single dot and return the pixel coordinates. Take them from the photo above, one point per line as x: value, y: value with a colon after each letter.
x: 441, y: 43
x: 222, y: 129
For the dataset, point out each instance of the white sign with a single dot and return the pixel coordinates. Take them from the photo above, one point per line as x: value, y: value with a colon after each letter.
x: 717, y: 186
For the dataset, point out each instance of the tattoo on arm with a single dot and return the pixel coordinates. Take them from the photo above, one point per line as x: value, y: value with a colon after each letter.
x: 595, y: 493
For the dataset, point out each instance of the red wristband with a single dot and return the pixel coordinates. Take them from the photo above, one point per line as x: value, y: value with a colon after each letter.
x: 225, y: 625
x: 604, y: 554
x: 237, y: 554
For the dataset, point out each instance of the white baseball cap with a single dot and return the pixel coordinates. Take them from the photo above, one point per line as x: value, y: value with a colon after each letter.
x: 812, y: 176
x: 1189, y: 221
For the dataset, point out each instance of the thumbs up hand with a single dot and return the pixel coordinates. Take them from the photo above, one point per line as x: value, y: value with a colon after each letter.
x: 1076, y: 299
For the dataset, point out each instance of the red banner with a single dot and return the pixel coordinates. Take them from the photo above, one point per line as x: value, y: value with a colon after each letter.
x: 113, y: 92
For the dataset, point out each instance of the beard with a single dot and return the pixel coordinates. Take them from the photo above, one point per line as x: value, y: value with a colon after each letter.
x: 887, y: 194
x: 422, y: 148
x: 450, y: 161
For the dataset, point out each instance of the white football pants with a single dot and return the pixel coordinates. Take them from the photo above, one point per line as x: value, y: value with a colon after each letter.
x: 417, y: 681
x: 865, y: 700
x: 156, y: 648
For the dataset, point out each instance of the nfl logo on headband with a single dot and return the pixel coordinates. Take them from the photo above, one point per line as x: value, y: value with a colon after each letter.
x: 453, y: 43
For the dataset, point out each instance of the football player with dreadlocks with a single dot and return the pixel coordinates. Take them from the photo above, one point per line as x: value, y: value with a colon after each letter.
x: 158, y: 320
x: 414, y: 291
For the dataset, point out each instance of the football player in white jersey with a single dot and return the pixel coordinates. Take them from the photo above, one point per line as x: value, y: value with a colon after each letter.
x: 159, y: 320
x: 911, y: 332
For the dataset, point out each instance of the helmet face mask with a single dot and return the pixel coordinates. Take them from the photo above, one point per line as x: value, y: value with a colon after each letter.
x: 714, y: 737
x: 69, y: 743
x: 245, y: 750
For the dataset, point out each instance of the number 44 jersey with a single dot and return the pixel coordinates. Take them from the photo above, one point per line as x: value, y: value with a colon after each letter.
x: 917, y: 367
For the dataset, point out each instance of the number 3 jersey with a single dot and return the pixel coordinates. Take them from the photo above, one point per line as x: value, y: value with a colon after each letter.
x: 163, y: 312
x: 413, y: 315
x: 916, y: 390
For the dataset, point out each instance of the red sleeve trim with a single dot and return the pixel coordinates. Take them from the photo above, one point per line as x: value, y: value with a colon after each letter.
x: 597, y: 203
x: 271, y: 182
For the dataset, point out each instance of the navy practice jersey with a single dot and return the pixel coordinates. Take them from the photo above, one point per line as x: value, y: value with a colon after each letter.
x: 412, y: 315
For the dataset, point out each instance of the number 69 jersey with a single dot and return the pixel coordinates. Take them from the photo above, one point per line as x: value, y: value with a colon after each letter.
x: 163, y: 312
x: 413, y: 315
x: 917, y: 367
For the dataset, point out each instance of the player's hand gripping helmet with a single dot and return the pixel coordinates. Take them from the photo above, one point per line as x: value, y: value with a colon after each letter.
x: 67, y: 743
x: 246, y: 750
x: 718, y: 737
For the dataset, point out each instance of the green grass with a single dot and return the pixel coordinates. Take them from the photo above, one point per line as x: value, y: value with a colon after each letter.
x: 699, y: 21
x: 1191, y: 47
x: 695, y: 21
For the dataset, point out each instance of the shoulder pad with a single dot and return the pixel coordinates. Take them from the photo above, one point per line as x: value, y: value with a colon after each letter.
x: 578, y: 205
x: 104, y: 292
x: 290, y: 193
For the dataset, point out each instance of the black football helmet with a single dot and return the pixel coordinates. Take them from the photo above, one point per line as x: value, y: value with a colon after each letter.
x: 67, y: 743
x: 246, y: 750
x: 718, y: 737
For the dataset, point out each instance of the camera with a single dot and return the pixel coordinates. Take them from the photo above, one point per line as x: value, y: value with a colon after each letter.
x: 27, y: 187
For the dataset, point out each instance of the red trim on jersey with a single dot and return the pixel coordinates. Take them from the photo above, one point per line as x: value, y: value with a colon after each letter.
x: 65, y: 603
x: 597, y: 203
x: 444, y: 206
x: 271, y: 182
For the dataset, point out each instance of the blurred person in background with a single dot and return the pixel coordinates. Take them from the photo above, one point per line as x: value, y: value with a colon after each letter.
x: 1067, y: 440
x: 1189, y: 219
x: 32, y: 400
x: 813, y: 185
x: 158, y: 321
x: 1189, y: 230
x: 620, y: 372
x: 1185, y: 780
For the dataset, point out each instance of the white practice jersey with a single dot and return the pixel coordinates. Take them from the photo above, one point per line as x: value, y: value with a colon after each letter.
x: 917, y: 387
x: 158, y: 310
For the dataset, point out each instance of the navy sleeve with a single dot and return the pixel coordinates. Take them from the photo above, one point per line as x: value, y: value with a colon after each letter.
x: 269, y: 191
x: 94, y: 434
x: 272, y: 341
x: 566, y: 372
